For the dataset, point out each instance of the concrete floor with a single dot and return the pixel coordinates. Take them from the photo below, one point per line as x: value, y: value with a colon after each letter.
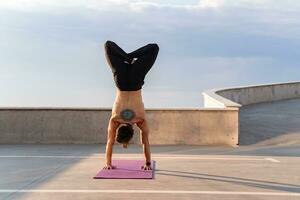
x: 265, y: 166
x: 183, y: 172
x: 270, y: 123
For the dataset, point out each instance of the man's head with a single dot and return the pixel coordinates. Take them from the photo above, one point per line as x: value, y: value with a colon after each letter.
x: 124, y: 134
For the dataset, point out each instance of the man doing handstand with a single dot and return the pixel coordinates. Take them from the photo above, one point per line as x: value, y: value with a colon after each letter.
x: 129, y: 71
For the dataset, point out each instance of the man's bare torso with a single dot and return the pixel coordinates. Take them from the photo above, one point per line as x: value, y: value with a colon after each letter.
x: 129, y: 100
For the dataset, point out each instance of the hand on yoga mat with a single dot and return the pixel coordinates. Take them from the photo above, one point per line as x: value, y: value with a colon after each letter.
x: 109, y: 167
x: 146, y: 167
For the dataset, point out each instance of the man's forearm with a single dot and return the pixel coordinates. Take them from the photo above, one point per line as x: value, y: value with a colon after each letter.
x: 146, y: 148
x: 108, y: 152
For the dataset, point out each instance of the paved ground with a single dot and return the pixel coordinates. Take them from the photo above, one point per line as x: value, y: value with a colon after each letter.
x: 271, y: 123
x: 183, y: 172
x: 265, y: 166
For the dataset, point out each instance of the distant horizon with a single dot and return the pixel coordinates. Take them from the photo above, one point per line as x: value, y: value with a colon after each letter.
x: 110, y: 104
x: 51, y: 52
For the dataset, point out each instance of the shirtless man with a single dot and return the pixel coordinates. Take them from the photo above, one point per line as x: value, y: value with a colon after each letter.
x: 129, y: 70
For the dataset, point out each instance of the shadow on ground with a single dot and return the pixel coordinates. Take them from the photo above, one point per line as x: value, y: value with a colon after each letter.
x: 235, y: 180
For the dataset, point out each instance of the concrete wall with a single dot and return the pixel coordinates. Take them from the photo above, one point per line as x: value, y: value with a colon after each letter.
x: 218, y: 123
x: 83, y: 125
x: 245, y: 95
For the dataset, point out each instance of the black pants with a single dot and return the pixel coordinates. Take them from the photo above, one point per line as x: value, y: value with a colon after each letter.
x: 130, y: 76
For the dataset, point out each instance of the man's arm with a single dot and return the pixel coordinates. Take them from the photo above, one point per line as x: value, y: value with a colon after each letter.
x: 145, y: 141
x: 111, y: 130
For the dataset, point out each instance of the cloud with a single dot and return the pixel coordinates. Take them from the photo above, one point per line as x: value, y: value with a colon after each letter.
x: 202, y: 12
x: 211, y: 3
x: 140, y: 4
x: 134, y: 5
x: 203, y: 44
x: 50, y: 5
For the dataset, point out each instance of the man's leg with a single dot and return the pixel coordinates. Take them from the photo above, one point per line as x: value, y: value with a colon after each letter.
x: 113, y: 50
x: 146, y: 57
x: 149, y: 48
x: 115, y: 56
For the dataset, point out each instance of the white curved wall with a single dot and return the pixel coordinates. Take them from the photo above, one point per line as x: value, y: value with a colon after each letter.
x: 245, y: 95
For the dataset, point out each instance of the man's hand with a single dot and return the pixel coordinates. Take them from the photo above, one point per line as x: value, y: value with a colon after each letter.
x: 147, y: 166
x: 108, y: 167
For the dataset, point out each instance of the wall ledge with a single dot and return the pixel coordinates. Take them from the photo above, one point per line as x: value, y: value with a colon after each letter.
x: 237, y: 96
x: 109, y: 109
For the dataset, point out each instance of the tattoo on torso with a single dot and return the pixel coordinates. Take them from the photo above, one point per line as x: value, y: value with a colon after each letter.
x: 127, y: 114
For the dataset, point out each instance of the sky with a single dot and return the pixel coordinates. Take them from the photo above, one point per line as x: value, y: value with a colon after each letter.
x: 52, y: 53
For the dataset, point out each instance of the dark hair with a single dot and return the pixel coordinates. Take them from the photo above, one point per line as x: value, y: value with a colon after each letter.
x: 124, y: 134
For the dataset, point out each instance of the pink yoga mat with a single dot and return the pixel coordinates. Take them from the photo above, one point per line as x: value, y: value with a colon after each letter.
x: 127, y: 169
